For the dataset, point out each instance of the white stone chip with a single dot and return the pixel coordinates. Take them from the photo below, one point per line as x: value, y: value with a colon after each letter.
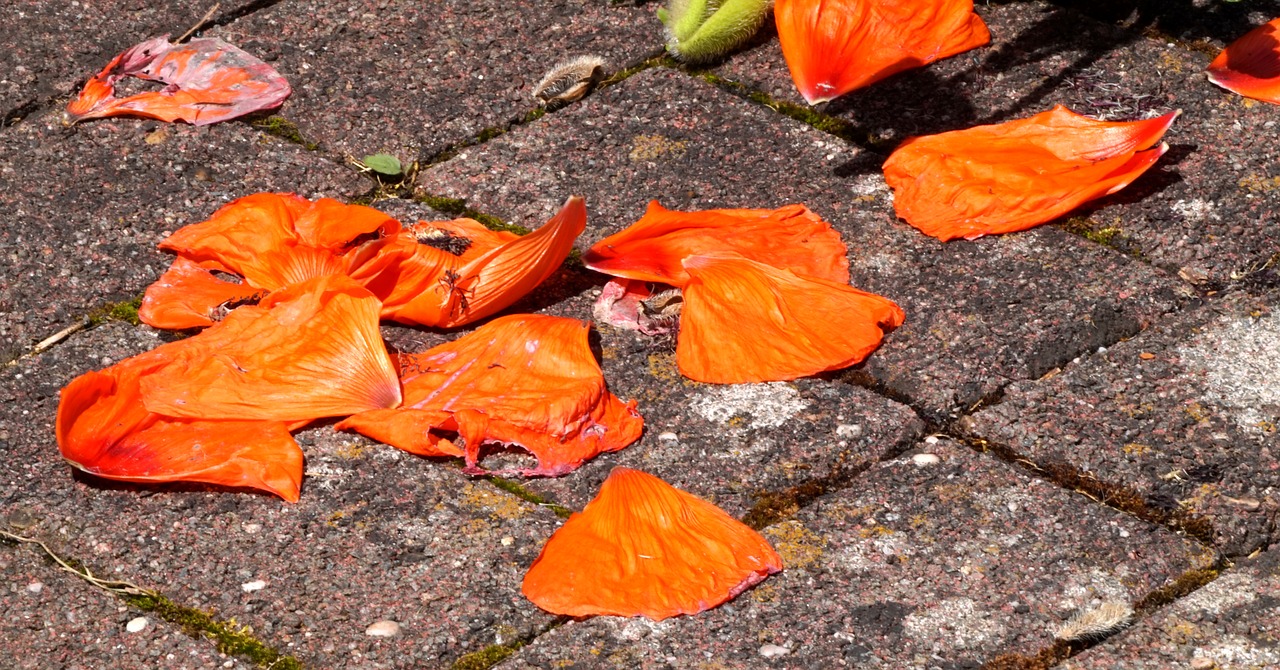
x: 35, y: 587
x: 773, y: 651
x: 922, y: 460
x: 255, y: 585
x: 384, y: 628
x: 136, y: 625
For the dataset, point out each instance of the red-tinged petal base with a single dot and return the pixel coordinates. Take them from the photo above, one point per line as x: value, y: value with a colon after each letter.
x: 306, y: 351
x: 524, y: 380
x: 835, y: 46
x: 1017, y: 175
x: 644, y: 548
x: 1250, y: 66
x: 104, y: 430
x: 652, y: 248
x: 745, y: 321
x: 625, y: 303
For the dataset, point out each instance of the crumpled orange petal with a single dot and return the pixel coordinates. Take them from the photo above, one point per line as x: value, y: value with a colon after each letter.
x: 1019, y: 174
x: 652, y: 248
x: 306, y: 351
x: 525, y: 380
x: 835, y: 46
x: 103, y: 429
x: 272, y: 240
x: 1250, y: 65
x: 745, y: 321
x: 645, y: 548
x: 208, y: 81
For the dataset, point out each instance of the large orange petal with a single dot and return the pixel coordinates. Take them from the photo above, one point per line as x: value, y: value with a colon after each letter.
x: 306, y: 351
x: 652, y: 248
x: 1017, y: 175
x: 644, y: 548
x: 527, y: 380
x: 836, y: 46
x: 188, y: 295
x: 745, y: 321
x: 103, y: 429
x: 1250, y: 66
x: 208, y: 81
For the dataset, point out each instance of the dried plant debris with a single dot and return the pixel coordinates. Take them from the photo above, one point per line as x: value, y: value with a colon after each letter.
x: 1107, y: 618
x: 569, y: 80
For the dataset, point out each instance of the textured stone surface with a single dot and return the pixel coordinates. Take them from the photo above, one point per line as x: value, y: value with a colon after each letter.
x: 412, y: 78
x: 1184, y: 415
x: 959, y: 560
x: 85, y: 208
x: 377, y: 535
x: 978, y: 314
x: 54, y: 620
x: 1232, y: 623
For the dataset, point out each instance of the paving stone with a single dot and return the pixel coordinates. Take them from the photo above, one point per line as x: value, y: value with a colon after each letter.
x: 412, y: 78
x: 1234, y: 622
x: 1204, y: 24
x: 1210, y: 209
x: 85, y: 208
x: 54, y: 620
x: 942, y: 565
x: 1184, y: 416
x: 378, y: 534
x: 978, y: 314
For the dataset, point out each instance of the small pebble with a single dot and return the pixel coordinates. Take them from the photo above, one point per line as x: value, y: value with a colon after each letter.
x: 932, y: 439
x: 384, y: 628
x: 136, y: 625
x: 922, y: 460
x: 255, y: 585
x: 508, y: 541
x: 251, y: 527
x: 1202, y: 663
x: 35, y: 587
x: 668, y: 437
x: 848, y: 430
x: 773, y: 651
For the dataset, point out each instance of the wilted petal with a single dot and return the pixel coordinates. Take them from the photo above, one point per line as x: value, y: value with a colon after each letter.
x: 745, y: 321
x: 644, y: 548
x: 631, y: 304
x: 836, y: 46
x: 306, y: 351
x: 103, y: 429
x: 1017, y: 175
x: 189, y: 295
x: 208, y: 81
x: 524, y: 380
x: 652, y: 248
x: 1250, y: 66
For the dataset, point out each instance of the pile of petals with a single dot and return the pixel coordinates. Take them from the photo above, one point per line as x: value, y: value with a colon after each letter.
x: 765, y: 294
x: 207, y: 81
x: 1250, y: 66
x: 835, y: 46
x: 644, y: 548
x: 1019, y: 174
x: 439, y: 274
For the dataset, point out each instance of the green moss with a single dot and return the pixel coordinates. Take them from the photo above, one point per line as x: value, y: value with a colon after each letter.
x: 230, y: 637
x: 525, y: 494
x: 806, y: 115
x: 626, y: 73
x: 458, y: 207
x: 285, y: 130
x: 1108, y: 236
x: 125, y: 311
x: 486, y: 658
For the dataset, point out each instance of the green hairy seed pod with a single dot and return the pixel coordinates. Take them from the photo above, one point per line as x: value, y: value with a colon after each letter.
x: 703, y: 30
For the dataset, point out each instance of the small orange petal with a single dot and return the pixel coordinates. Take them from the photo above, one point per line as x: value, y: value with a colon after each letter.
x: 188, y: 295
x: 652, y: 248
x: 745, y: 321
x: 1017, y: 175
x: 835, y: 46
x: 1250, y: 65
x: 307, y: 351
x: 645, y: 548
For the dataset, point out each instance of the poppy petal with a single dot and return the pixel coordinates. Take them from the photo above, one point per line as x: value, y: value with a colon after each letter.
x: 208, y: 81
x: 1250, y: 66
x: 188, y: 295
x: 745, y: 321
x: 1019, y: 174
x: 103, y: 429
x: 651, y: 249
x: 835, y: 46
x: 645, y: 548
x: 305, y: 352
x: 527, y: 380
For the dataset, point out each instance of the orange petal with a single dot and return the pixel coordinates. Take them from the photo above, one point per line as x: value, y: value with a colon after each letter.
x: 1250, y: 66
x: 306, y: 351
x: 104, y: 430
x: 644, y: 548
x: 745, y: 321
x: 652, y: 248
x: 188, y: 295
x: 208, y: 81
x: 1017, y: 175
x: 836, y: 46
x: 527, y: 380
